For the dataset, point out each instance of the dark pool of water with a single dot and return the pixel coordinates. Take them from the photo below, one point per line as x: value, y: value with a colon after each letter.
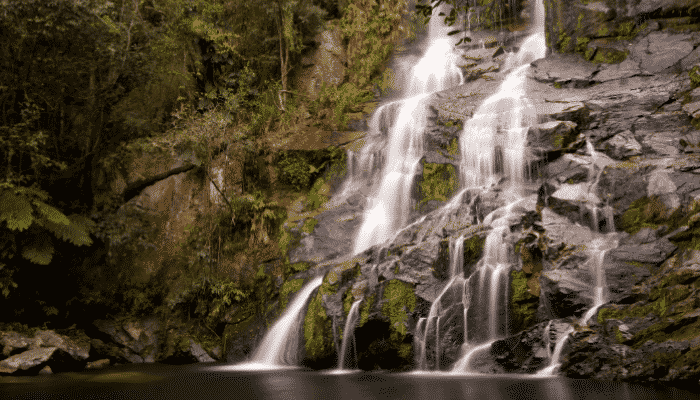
x: 214, y: 381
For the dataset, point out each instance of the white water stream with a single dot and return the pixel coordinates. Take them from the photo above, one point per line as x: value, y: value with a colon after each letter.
x: 279, y: 346
x: 601, y: 243
x: 395, y: 142
x: 349, y: 335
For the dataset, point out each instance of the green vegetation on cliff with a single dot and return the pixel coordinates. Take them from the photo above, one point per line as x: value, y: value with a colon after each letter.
x: 399, y: 299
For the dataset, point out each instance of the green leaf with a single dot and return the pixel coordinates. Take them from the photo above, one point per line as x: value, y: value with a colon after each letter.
x: 16, y: 211
x: 450, y: 33
x: 40, y: 250
x: 50, y: 213
x: 77, y: 232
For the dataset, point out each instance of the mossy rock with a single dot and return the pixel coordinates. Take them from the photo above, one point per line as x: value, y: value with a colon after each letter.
x: 609, y: 56
x: 398, y: 301
x: 473, y: 250
x: 318, y: 334
x: 288, y: 289
x: 652, y: 213
x: 438, y: 182
x: 523, y: 304
x: 694, y: 75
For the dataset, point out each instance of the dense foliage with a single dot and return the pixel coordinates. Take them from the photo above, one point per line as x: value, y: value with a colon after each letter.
x: 84, y: 83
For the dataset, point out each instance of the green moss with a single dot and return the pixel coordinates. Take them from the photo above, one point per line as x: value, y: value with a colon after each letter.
x: 523, y: 303
x: 473, y: 249
x: 695, y: 122
x: 399, y: 299
x: 365, y: 309
x: 348, y: 299
x: 557, y: 85
x: 564, y: 41
x: 452, y: 150
x: 618, y: 335
x: 626, y: 30
x: 309, y: 225
x: 651, y: 212
x: 439, y: 182
x: 288, y: 289
x: 317, y: 329
x: 291, y: 269
x: 603, y: 31
x: 582, y: 46
x: 609, y: 56
x: 694, y: 75
x: 579, y: 21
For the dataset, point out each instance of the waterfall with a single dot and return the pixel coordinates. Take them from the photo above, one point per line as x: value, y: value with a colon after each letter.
x: 349, y: 334
x: 492, y: 147
x: 551, y: 369
x: 456, y: 264
x: 492, y: 142
x: 279, y: 346
x: 396, y: 139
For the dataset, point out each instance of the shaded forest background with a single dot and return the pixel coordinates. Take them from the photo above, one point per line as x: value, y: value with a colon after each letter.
x: 84, y: 81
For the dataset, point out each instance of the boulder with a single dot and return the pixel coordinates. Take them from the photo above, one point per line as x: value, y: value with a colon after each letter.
x: 98, y: 364
x: 622, y: 146
x: 198, y: 352
x: 138, y: 339
x: 13, y: 343
x: 30, y: 362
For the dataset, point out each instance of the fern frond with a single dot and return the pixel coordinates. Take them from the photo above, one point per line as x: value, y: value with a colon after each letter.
x: 76, y: 232
x: 50, y: 213
x: 39, y: 250
x: 16, y: 211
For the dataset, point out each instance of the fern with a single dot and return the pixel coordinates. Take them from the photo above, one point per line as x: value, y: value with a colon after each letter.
x: 25, y: 209
x: 16, y: 211
x: 39, y: 250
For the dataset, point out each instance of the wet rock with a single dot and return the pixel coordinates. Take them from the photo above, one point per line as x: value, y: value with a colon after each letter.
x: 570, y: 168
x: 661, y: 50
x: 644, y: 235
x: 13, y: 343
x: 79, y: 351
x: 332, y: 236
x: 98, y: 364
x: 31, y: 362
x: 552, y: 135
x: 198, y: 352
x: 565, y: 69
x: 565, y: 292
x: 623, y: 145
x: 138, y: 339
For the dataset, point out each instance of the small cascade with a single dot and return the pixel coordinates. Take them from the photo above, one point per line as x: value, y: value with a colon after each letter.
x: 599, y: 292
x: 548, y: 339
x: 492, y: 298
x: 492, y: 142
x: 466, y: 294
x: 554, y: 364
x: 456, y: 257
x: 349, y: 335
x: 279, y: 346
x: 396, y: 141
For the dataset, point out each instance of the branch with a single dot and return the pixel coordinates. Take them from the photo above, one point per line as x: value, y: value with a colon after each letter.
x: 223, y: 196
x: 135, y: 188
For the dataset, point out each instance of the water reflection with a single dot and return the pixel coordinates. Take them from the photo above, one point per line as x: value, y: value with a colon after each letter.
x: 217, y: 382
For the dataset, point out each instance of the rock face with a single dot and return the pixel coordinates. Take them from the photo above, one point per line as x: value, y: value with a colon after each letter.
x: 47, y: 351
x: 613, y: 158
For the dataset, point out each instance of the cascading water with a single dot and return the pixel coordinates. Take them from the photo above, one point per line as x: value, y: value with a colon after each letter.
x: 400, y: 151
x: 492, y: 145
x: 456, y: 264
x: 602, y: 242
x: 349, y: 335
x: 278, y: 348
